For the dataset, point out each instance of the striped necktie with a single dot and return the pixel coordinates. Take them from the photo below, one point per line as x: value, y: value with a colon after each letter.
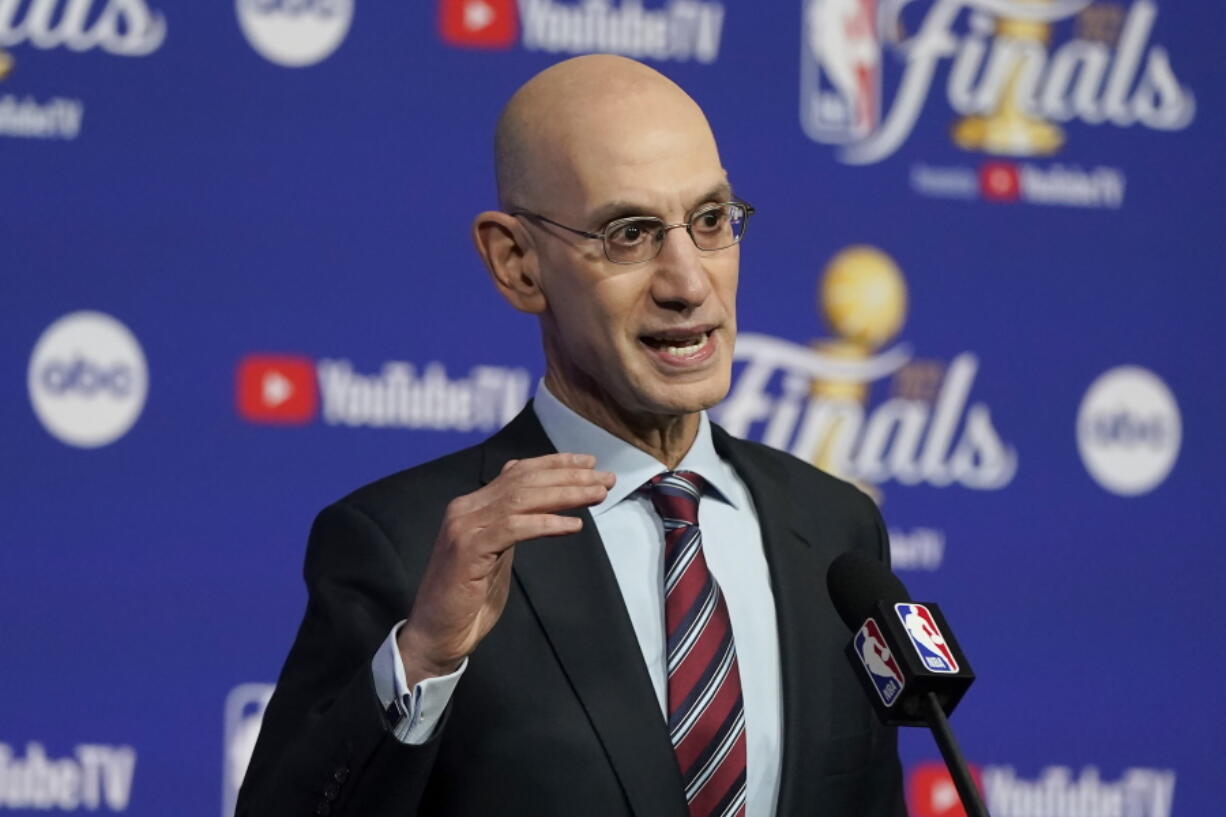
x: 706, y: 719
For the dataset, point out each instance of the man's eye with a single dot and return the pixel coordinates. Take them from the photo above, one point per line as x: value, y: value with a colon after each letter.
x: 630, y: 234
x: 710, y: 220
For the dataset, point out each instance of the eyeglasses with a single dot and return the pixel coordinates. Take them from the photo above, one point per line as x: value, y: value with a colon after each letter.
x: 637, y: 239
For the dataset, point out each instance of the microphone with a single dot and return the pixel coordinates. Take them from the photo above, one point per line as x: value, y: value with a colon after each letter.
x: 906, y: 657
x: 901, y: 649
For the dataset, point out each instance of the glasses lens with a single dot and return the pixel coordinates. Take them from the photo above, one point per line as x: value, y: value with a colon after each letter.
x: 631, y: 240
x: 718, y: 226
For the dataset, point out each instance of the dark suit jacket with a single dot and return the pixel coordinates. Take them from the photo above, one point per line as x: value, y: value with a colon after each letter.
x: 555, y: 714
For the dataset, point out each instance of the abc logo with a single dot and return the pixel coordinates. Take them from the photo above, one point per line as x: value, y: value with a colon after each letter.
x: 87, y: 379
x: 1128, y: 430
x: 295, y: 33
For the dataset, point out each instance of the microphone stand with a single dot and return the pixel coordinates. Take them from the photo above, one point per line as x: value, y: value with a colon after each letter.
x: 954, y: 761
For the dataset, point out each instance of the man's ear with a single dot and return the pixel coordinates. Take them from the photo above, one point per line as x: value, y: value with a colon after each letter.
x: 507, y: 251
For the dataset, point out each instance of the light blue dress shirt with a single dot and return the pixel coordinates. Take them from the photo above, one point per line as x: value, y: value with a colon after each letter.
x: 633, y: 538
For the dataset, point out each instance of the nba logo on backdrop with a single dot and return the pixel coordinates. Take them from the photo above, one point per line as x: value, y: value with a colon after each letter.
x: 880, y: 665
x: 841, y: 58
x: 926, y: 637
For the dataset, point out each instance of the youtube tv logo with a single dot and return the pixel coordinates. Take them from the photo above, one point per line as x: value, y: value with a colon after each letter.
x: 492, y: 24
x: 277, y: 389
x: 931, y: 791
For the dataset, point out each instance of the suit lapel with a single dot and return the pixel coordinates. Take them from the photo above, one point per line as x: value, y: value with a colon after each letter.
x: 569, y: 584
x: 797, y: 570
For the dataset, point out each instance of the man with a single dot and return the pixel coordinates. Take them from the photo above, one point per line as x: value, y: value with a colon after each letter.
x: 610, y: 607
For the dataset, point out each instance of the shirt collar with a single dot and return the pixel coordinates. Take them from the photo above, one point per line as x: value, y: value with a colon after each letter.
x: 633, y: 467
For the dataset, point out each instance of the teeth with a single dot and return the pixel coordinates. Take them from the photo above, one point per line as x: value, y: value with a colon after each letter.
x: 688, y: 350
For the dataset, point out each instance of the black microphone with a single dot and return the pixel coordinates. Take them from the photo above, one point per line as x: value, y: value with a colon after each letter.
x: 906, y: 657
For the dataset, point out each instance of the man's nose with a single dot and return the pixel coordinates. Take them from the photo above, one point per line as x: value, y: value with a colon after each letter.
x: 681, y: 281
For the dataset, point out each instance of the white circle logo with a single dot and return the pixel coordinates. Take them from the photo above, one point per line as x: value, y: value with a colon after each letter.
x: 1128, y: 430
x: 87, y: 379
x: 295, y: 33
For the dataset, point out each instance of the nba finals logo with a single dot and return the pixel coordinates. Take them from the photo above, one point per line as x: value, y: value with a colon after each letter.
x: 817, y: 402
x: 868, y: 68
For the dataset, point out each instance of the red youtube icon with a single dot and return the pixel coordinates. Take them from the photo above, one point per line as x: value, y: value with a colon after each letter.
x: 931, y: 791
x: 1000, y: 181
x: 277, y: 389
x: 478, y: 23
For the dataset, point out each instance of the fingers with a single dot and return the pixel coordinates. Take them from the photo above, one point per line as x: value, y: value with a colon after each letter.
x: 524, y: 501
x: 555, y: 469
x: 549, y: 470
x: 533, y: 526
x: 563, y: 460
x: 509, y: 532
x: 547, y: 499
x: 556, y: 482
x: 562, y: 476
x: 518, y: 501
x: 465, y: 583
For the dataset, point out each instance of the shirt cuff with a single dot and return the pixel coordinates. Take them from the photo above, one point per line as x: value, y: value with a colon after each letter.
x: 424, y: 703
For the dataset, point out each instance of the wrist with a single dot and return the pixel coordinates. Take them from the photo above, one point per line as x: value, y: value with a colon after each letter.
x: 420, y: 664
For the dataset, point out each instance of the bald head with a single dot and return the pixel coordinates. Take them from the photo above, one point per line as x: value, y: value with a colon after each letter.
x: 603, y: 144
x: 578, y: 110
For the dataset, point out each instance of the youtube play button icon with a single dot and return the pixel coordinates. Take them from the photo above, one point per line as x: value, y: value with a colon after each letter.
x: 478, y: 23
x: 277, y: 389
x: 931, y: 791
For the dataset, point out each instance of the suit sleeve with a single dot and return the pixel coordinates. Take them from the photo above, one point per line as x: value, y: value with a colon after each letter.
x: 325, y: 747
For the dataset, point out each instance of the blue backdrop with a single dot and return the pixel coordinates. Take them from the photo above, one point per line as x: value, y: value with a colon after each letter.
x: 234, y: 254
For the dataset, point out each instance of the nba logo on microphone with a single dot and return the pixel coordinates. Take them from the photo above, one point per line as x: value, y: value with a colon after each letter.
x: 927, y: 638
x: 880, y: 665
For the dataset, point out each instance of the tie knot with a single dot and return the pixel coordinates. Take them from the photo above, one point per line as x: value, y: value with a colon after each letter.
x: 675, y: 495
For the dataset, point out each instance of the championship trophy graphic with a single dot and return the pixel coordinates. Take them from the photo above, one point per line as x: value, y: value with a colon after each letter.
x: 863, y: 297
x: 1011, y: 130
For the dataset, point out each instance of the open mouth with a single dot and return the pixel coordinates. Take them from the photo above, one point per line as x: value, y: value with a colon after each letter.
x: 684, y: 345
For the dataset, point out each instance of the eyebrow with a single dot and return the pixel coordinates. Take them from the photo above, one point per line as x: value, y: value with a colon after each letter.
x: 626, y: 209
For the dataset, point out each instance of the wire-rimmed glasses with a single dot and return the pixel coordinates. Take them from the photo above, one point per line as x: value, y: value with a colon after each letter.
x: 636, y: 239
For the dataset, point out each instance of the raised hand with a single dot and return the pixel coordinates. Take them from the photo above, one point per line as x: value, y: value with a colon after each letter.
x: 464, y: 587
